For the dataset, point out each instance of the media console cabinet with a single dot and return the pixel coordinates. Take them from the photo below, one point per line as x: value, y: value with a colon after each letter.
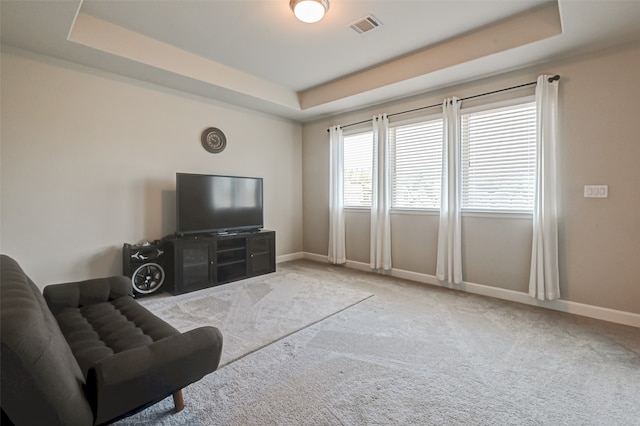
x: 201, y: 261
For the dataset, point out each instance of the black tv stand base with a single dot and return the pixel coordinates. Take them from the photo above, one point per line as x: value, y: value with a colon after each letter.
x: 194, y: 262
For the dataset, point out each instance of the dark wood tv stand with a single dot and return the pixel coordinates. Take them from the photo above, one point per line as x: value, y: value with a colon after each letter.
x: 194, y: 262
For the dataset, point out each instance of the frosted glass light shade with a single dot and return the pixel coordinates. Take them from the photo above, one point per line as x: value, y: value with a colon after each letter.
x: 309, y: 11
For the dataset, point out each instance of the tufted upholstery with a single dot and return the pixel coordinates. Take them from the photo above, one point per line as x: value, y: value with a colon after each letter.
x: 90, y: 354
x: 37, y: 364
x: 102, y: 319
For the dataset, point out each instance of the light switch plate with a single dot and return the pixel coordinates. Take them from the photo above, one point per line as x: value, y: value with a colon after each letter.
x: 596, y: 191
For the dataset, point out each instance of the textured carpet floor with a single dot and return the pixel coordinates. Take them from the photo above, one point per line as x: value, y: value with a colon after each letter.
x: 255, y: 312
x: 418, y: 355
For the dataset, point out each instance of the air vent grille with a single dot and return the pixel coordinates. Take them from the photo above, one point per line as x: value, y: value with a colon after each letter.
x: 364, y: 24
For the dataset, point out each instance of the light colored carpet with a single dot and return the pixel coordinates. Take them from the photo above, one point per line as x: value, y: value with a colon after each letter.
x: 419, y: 355
x: 255, y: 312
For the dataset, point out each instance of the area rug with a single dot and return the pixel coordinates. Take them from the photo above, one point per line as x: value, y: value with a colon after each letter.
x: 256, y: 312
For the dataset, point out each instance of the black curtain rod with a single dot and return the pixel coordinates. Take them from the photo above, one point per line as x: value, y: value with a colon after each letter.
x: 551, y: 79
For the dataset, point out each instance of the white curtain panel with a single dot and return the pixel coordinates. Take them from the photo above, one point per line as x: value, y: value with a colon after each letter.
x: 449, y: 259
x: 337, y: 251
x: 544, y: 280
x: 381, y: 196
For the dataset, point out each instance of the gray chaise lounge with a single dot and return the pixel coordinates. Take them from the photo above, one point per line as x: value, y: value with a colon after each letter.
x: 87, y: 353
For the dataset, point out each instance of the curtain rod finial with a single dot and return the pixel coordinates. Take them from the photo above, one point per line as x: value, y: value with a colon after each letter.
x: 554, y: 78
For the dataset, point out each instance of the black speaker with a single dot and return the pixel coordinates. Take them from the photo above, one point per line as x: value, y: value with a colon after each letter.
x: 143, y: 264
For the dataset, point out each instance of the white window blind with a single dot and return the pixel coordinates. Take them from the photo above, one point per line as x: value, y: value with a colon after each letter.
x: 416, y: 165
x: 498, y: 158
x: 358, y: 169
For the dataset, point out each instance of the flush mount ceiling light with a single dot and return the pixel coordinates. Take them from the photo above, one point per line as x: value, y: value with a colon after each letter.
x: 309, y: 11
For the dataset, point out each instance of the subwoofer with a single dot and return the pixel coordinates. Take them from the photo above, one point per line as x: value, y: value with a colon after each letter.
x: 143, y: 264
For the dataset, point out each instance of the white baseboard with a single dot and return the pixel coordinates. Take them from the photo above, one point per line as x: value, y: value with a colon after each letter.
x: 597, y: 312
x: 315, y: 257
x: 288, y: 257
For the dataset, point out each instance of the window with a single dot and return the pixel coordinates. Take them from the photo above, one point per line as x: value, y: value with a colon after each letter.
x: 358, y: 169
x: 499, y: 158
x: 498, y: 144
x: 416, y: 165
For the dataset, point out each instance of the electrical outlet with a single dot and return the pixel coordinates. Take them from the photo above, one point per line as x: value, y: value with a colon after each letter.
x: 596, y: 191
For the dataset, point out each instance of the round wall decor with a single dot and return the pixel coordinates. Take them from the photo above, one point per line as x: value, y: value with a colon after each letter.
x: 213, y: 140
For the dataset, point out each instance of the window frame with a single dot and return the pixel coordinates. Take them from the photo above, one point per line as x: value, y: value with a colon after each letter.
x: 476, y: 212
x: 355, y: 130
x: 408, y: 122
x: 479, y: 212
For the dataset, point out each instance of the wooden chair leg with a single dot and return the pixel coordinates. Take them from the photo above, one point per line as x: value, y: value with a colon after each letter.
x: 178, y: 401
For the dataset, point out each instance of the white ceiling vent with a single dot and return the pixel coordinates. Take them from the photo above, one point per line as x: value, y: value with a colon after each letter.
x: 364, y: 24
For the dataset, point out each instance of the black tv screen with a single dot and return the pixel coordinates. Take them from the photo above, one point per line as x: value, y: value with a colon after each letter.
x: 214, y: 204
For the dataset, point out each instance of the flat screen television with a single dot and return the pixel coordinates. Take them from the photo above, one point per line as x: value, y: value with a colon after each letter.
x: 217, y: 204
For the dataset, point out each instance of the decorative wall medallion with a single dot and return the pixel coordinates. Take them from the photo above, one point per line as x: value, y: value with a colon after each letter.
x: 213, y: 140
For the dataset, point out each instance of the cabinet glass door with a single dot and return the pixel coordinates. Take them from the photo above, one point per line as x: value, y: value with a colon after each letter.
x: 196, y: 266
x: 261, y: 255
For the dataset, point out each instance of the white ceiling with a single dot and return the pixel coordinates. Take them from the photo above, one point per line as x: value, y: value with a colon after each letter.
x: 256, y: 54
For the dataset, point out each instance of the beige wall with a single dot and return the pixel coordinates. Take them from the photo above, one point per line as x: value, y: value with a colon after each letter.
x: 89, y: 162
x: 600, y: 144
